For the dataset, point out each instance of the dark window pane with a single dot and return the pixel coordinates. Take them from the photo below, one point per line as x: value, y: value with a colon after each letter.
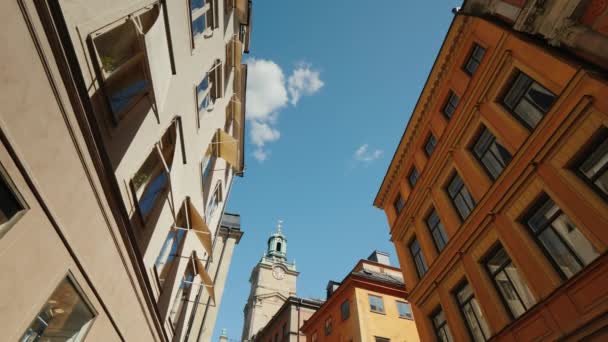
x: 413, y: 177
x: 512, y: 288
x: 9, y: 206
x: 429, y: 146
x: 198, y: 25
x: 528, y: 100
x: 474, y: 60
x: 461, y: 198
x: 594, y: 167
x: 492, y: 155
x: 440, y: 238
x: 345, y: 310
x: 472, y: 313
x: 66, y: 316
x: 442, y: 331
x: 419, y: 260
x: 567, y: 247
x: 450, y: 105
x: 399, y: 204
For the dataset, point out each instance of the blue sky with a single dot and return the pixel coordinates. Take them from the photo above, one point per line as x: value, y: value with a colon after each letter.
x: 331, y: 87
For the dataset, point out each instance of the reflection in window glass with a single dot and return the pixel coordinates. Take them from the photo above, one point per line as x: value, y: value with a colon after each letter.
x: 528, y: 100
x: 460, y: 196
x: 440, y: 238
x: 474, y: 59
x: 405, y: 310
x: 492, y: 155
x: 64, y: 317
x: 440, y: 325
x: 512, y: 288
x: 472, y: 313
x: 419, y: 260
x: 376, y: 303
x: 594, y: 167
x: 181, y: 296
x: 568, y: 248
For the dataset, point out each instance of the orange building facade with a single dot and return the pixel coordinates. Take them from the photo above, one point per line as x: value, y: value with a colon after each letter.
x: 369, y: 305
x: 497, y: 195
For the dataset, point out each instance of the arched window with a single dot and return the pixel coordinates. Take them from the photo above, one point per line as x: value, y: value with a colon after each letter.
x: 278, y: 246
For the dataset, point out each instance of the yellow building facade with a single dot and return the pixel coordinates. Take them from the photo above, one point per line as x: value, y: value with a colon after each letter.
x: 369, y: 305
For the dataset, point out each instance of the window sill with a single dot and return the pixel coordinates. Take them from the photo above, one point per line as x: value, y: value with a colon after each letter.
x: 408, y: 318
x: 378, y: 312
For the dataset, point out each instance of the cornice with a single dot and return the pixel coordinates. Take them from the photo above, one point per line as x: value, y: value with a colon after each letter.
x: 425, y: 102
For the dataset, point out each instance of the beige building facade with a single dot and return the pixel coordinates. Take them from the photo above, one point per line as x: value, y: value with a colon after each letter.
x: 121, y: 135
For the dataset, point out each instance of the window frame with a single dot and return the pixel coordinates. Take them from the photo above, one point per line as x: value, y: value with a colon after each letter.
x: 411, y: 315
x: 398, y: 204
x: 444, y: 324
x: 430, y: 138
x: 419, y: 253
x: 432, y: 229
x: 71, y: 279
x: 494, y: 141
x: 452, y: 199
x: 371, y: 309
x: 344, y: 315
x: 599, y: 137
x: 210, y: 11
x: 493, y: 251
x: 19, y: 199
x: 536, y: 205
x: 516, y: 73
x: 461, y: 308
x: 471, y: 56
x: 448, y: 103
x: 328, y: 325
x: 415, y: 174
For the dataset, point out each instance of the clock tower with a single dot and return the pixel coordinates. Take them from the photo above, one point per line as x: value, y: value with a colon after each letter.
x: 273, y: 281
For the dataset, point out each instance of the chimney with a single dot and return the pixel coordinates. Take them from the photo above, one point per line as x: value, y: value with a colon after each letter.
x: 380, y: 257
x: 332, y: 286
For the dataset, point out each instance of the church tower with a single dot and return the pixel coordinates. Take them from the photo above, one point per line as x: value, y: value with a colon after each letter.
x: 273, y: 280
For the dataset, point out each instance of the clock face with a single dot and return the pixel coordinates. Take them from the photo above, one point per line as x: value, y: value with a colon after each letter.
x: 278, y: 273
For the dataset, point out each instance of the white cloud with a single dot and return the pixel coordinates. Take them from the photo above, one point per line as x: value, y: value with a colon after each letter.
x: 266, y: 92
x: 262, y: 133
x: 303, y: 81
x: 364, y: 154
x: 260, y: 154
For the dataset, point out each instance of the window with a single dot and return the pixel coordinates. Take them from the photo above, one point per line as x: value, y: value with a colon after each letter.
x: 474, y: 59
x: 276, y: 337
x: 527, y: 100
x: 558, y: 236
x: 429, y: 146
x: 419, y: 261
x: 460, y: 196
x: 213, y: 203
x: 202, y: 16
x: 208, y: 163
x: 328, y: 326
x: 376, y: 304
x: 209, y: 89
x: 593, y: 168
x: 493, y: 156
x: 398, y: 204
x: 437, y: 230
x: 405, y: 310
x: 284, y: 329
x: 412, y: 178
x: 440, y: 325
x: 11, y: 204
x: 345, y: 310
x: 181, y: 296
x: 472, y: 313
x: 151, y: 182
x: 450, y: 105
x: 381, y: 339
x: 121, y: 63
x: 169, y: 253
x: 66, y: 316
x: 512, y: 288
